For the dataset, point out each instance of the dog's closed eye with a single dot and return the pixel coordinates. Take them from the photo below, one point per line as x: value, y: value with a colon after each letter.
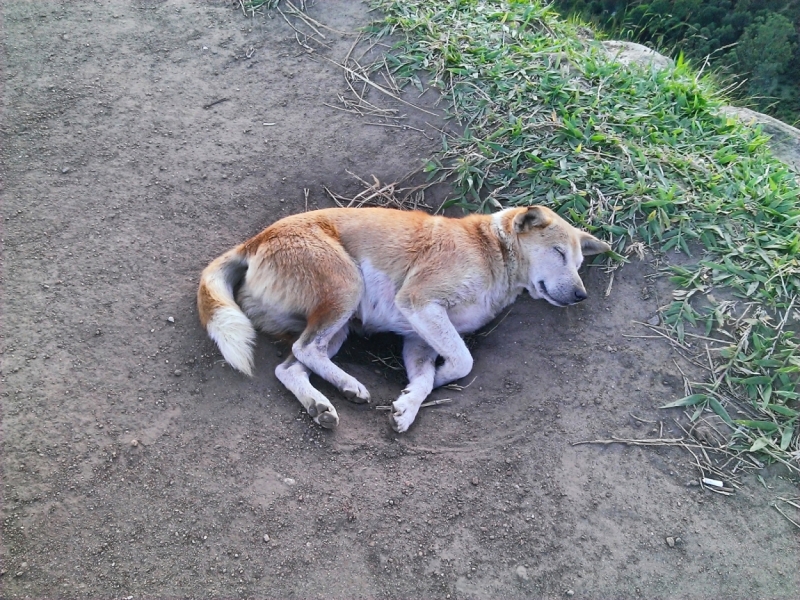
x: 561, y: 253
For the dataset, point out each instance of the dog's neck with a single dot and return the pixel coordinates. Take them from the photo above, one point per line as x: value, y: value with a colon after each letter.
x: 503, y: 226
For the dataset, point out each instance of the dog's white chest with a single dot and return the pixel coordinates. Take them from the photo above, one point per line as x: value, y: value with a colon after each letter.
x: 467, y: 318
x: 378, y: 311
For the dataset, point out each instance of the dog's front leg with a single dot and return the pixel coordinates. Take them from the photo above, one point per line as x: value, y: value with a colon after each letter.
x: 420, y: 362
x: 433, y: 325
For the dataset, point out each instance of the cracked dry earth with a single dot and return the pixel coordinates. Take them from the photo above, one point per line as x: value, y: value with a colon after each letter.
x: 137, y: 465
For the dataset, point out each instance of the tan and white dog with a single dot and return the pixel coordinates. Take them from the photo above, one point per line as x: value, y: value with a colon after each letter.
x: 312, y: 277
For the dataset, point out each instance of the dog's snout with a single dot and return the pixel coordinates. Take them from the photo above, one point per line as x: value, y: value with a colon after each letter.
x: 580, y: 295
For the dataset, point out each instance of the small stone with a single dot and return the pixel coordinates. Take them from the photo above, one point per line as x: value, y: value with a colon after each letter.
x: 671, y: 542
x: 178, y: 373
x: 289, y: 481
x: 134, y: 443
x: 65, y: 170
x: 653, y: 320
x: 171, y: 319
x: 693, y: 483
x: 570, y: 592
x: 522, y: 573
x: 266, y: 537
x: 475, y: 481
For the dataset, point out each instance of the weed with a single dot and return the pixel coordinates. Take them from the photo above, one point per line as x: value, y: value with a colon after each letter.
x: 629, y: 153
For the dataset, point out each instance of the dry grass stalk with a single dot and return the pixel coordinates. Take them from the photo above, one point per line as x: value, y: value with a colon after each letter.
x: 383, y: 195
x: 423, y: 405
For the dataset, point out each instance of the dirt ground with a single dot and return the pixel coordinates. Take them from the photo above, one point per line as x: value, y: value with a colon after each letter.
x: 119, y: 187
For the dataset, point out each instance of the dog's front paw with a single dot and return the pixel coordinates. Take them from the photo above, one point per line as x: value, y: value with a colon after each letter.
x: 356, y: 393
x: 403, y: 415
x: 324, y: 415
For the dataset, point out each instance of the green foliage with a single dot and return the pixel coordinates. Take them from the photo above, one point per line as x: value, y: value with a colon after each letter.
x: 765, y: 50
x: 746, y: 39
x: 630, y: 154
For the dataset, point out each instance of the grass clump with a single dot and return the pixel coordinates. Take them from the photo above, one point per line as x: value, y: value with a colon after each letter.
x: 631, y: 154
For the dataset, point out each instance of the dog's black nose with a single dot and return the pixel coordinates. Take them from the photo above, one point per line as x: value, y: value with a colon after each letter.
x: 580, y: 296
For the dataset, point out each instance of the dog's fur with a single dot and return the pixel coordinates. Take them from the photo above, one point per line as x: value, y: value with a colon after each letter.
x: 314, y: 276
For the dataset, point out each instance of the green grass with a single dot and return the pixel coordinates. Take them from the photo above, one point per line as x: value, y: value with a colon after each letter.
x: 630, y: 154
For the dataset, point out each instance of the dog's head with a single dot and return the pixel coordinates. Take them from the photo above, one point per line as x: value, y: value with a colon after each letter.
x: 553, y: 250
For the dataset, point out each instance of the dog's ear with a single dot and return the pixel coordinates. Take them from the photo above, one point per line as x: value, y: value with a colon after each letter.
x: 591, y: 245
x: 534, y: 217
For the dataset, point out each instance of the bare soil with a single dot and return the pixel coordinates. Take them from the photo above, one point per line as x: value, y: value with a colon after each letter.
x: 137, y: 465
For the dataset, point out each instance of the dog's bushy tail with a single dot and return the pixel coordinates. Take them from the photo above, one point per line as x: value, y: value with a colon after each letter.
x: 225, y: 322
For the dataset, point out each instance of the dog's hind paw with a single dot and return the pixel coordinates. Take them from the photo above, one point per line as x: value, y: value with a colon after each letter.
x: 357, y: 394
x: 324, y: 415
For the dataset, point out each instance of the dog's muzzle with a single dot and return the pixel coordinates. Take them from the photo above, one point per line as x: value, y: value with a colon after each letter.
x: 578, y: 295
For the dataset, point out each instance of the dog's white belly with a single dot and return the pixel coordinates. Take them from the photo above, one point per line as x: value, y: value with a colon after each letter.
x: 377, y: 310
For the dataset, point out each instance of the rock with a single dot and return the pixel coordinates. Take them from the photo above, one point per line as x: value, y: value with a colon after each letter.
x: 785, y: 139
x: 693, y: 483
x: 629, y: 53
x: 475, y: 481
x: 178, y: 373
x: 671, y: 542
x: 289, y: 481
x: 134, y: 443
x: 65, y: 170
x: 171, y: 319
x: 654, y: 320
x: 266, y: 537
x: 570, y: 593
x: 522, y: 573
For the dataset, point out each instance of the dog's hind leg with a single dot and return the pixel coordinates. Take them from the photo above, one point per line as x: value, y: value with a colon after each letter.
x: 295, y: 376
x: 420, y: 362
x: 313, y: 349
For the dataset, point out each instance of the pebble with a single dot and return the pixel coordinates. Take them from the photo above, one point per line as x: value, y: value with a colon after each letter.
x: 289, y: 481
x: 266, y: 537
x: 671, y: 542
x: 178, y: 373
x: 171, y: 319
x: 570, y: 592
x: 693, y: 483
x: 65, y: 170
x: 134, y: 443
x: 522, y: 573
x: 654, y: 320
x: 475, y: 481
